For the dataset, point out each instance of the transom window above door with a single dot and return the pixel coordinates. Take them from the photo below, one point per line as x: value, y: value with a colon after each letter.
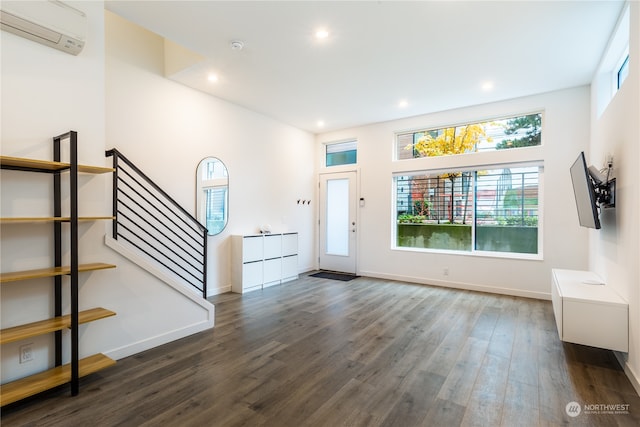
x: 341, y: 153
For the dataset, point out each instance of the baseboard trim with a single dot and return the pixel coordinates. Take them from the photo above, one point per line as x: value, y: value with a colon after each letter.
x: 217, y: 291
x: 633, y: 378
x: 458, y: 285
x: 207, y: 322
x: 155, y: 341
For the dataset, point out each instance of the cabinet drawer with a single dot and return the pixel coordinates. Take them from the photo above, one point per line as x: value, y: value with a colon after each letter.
x: 251, y: 248
x: 290, y: 267
x: 251, y: 274
x: 272, y: 271
x: 290, y: 244
x: 272, y: 246
x: 594, y: 324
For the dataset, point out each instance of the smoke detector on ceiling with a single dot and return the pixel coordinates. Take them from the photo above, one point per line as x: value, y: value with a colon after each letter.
x: 236, y: 45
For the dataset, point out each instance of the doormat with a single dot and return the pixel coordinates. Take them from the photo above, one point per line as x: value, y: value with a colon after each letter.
x: 334, y: 276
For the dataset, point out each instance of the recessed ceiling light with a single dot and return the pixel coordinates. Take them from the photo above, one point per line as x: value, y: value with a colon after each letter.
x: 212, y: 78
x: 487, y: 86
x: 320, y: 123
x: 322, y: 34
x: 403, y: 103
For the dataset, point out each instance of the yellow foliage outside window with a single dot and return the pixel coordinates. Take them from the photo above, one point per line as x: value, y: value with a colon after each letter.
x: 449, y: 141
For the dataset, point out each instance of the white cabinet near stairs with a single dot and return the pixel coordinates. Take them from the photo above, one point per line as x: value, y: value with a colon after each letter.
x: 262, y: 260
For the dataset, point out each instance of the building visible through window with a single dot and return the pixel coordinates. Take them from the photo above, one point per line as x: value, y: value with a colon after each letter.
x: 482, y: 210
x: 489, y: 209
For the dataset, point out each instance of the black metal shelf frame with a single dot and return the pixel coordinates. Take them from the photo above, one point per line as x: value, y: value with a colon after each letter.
x: 72, y: 136
x: 72, y: 170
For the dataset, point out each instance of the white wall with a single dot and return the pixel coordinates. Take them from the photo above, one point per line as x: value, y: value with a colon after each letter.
x: 564, y: 242
x: 615, y: 249
x: 166, y: 129
x: 45, y: 93
x: 114, y: 96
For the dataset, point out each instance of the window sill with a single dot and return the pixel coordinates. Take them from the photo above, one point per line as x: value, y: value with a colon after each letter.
x: 481, y: 254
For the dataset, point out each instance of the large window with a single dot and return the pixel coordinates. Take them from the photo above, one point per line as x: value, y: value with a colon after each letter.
x: 475, y: 210
x: 501, y: 134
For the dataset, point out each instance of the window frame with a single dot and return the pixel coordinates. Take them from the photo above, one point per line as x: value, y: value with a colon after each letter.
x: 606, y: 77
x: 326, y: 145
x: 483, y: 160
x: 473, y: 252
x: 437, y: 127
x: 622, y: 63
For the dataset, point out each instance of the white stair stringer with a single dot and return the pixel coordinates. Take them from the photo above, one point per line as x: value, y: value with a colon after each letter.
x: 160, y: 273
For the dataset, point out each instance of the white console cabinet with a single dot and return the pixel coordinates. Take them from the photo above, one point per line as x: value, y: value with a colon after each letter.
x: 262, y: 260
x: 588, y: 312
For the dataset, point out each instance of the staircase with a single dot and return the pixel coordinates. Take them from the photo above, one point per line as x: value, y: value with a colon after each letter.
x: 153, y: 230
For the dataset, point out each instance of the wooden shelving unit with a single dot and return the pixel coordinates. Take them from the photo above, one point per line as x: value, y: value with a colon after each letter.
x: 51, y: 272
x: 42, y: 327
x: 34, y: 384
x: 71, y: 372
x: 51, y: 219
x: 33, y: 165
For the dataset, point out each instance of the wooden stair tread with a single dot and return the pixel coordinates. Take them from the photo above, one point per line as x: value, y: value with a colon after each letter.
x: 50, y: 272
x: 8, y: 162
x: 53, y: 218
x: 34, y: 384
x: 42, y: 327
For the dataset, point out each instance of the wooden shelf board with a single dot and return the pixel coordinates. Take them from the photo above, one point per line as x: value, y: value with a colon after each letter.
x: 42, y: 327
x: 34, y: 384
x: 9, y: 220
x: 51, y: 272
x: 43, y: 165
x: 94, y: 169
x: 8, y: 162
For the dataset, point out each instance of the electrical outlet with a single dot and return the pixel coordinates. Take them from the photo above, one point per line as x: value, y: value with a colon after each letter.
x: 445, y: 271
x: 609, y: 160
x: 26, y: 353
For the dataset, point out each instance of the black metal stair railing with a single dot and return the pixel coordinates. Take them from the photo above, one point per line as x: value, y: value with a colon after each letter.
x: 149, y: 219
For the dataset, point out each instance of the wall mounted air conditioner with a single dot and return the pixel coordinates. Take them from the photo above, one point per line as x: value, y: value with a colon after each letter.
x: 52, y: 23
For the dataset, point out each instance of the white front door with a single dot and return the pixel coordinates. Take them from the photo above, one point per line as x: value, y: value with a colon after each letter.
x: 338, y: 213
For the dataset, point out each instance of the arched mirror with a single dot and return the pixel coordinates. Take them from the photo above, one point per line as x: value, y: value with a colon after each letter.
x: 212, y: 194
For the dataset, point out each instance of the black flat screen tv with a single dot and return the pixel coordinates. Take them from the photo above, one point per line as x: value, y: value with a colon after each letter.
x: 585, y: 194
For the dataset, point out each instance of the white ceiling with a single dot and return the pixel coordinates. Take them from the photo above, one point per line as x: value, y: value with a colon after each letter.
x: 434, y: 55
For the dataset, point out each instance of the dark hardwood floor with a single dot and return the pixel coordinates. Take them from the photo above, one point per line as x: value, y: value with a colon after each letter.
x: 368, y: 352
